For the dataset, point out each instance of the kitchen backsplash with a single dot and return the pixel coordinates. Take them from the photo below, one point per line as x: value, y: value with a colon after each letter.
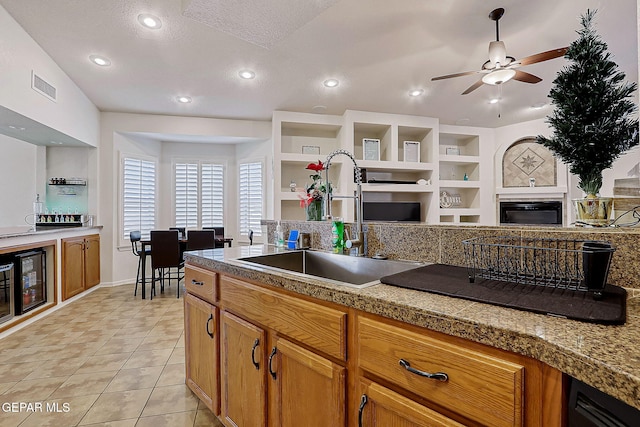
x: 443, y: 244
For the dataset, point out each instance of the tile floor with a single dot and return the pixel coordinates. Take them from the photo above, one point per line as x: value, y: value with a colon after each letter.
x: 107, y: 359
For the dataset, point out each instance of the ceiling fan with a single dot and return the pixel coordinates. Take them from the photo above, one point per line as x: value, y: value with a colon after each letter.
x: 501, y: 68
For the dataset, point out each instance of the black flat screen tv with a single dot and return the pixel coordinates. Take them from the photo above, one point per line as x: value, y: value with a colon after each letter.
x: 391, y: 211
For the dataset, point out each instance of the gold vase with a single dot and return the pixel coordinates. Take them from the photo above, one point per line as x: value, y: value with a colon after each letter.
x: 594, y: 211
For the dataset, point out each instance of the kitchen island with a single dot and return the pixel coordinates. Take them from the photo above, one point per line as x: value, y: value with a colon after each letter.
x: 605, y: 357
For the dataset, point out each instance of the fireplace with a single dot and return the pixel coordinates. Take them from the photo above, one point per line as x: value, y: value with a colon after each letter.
x: 531, y: 212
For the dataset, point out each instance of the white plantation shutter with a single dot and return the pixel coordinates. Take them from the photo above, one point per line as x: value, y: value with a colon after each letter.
x: 250, y: 198
x: 199, y: 194
x: 186, y: 197
x: 138, y: 196
x: 212, y: 210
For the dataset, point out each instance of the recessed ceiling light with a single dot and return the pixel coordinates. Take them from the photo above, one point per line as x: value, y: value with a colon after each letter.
x: 319, y: 109
x: 416, y: 92
x: 100, y: 60
x: 184, y: 99
x: 247, y: 74
x: 149, y: 21
x: 331, y: 83
x: 494, y: 101
x: 538, y: 106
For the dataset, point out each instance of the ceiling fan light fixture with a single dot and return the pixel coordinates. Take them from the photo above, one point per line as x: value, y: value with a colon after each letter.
x: 498, y: 76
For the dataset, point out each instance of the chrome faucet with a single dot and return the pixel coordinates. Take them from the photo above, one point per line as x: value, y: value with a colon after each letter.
x: 359, y: 240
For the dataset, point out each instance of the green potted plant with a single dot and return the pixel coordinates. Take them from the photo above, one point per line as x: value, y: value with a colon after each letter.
x: 593, y: 119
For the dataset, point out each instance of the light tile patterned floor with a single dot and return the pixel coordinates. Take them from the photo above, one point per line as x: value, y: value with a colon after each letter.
x: 110, y: 358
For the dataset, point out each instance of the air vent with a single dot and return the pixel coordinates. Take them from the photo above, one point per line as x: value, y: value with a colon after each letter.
x: 41, y: 86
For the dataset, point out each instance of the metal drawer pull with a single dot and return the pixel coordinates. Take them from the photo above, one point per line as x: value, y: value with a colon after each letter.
x: 363, y: 401
x: 195, y: 282
x: 253, y: 354
x: 440, y: 376
x: 273, y: 353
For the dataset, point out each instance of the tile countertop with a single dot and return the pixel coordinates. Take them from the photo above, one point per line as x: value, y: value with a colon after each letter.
x: 606, y: 357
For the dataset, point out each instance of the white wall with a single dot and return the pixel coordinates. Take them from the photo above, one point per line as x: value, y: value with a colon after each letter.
x: 18, y: 170
x: 73, y: 113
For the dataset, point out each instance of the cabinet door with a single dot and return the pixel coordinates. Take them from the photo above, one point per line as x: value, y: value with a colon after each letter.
x: 243, y: 387
x: 307, y: 387
x: 201, y: 350
x: 381, y: 407
x: 92, y: 261
x: 72, y: 267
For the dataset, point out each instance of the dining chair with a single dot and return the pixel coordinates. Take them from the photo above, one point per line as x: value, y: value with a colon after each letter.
x: 219, y: 233
x: 181, y: 231
x: 201, y: 239
x: 135, y: 237
x: 166, y: 255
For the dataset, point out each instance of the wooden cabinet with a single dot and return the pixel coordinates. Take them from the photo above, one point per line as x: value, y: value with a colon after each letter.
x: 467, y: 382
x: 80, y: 264
x: 201, y: 348
x: 243, y: 372
x: 262, y: 366
x: 307, y: 387
x: 283, y: 361
x: 381, y: 407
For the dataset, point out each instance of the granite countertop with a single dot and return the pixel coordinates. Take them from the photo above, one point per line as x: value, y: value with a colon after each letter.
x: 20, y: 231
x: 606, y: 357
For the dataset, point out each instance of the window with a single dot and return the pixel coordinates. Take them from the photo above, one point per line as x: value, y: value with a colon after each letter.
x: 199, y: 194
x: 138, y: 196
x: 250, y: 198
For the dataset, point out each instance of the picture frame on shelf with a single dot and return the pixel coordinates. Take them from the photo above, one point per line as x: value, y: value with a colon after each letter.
x: 452, y: 151
x: 411, y: 151
x: 371, y: 149
x: 310, y: 149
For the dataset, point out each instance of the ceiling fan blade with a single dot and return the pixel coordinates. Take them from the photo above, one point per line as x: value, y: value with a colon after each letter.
x: 473, y: 87
x: 542, y: 56
x: 521, y: 76
x: 448, y: 76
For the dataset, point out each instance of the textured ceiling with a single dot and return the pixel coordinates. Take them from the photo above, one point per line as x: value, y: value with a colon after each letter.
x: 378, y: 49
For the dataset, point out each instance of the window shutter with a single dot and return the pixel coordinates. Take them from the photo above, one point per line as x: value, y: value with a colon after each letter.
x: 212, y: 195
x: 139, y: 196
x: 199, y: 195
x: 250, y: 198
x: 186, y: 196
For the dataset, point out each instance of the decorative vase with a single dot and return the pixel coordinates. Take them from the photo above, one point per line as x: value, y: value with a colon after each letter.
x: 594, y: 210
x: 315, y: 210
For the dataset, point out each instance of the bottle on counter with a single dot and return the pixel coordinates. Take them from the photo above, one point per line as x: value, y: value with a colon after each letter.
x: 337, y: 235
x: 278, y: 237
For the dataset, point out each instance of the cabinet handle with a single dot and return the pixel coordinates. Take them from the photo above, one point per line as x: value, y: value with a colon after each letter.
x: 363, y: 402
x: 253, y: 354
x: 209, y: 320
x: 273, y: 353
x: 440, y: 376
x: 195, y: 282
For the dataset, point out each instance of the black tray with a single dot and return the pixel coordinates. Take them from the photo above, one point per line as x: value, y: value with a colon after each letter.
x: 454, y: 282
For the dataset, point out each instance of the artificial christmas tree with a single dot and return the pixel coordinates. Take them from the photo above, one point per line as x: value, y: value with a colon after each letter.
x: 593, y: 120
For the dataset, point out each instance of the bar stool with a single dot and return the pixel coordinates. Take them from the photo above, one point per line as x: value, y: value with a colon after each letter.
x: 135, y: 237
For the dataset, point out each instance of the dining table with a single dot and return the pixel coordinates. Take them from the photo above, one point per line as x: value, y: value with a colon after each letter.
x: 222, y: 241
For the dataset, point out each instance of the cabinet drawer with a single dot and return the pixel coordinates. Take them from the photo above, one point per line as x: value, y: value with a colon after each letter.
x: 201, y: 282
x: 480, y: 387
x: 320, y: 327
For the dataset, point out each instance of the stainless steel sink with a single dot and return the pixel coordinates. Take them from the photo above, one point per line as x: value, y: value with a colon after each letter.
x: 358, y: 272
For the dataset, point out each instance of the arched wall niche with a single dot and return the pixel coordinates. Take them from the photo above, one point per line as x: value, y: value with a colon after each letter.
x: 526, y: 163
